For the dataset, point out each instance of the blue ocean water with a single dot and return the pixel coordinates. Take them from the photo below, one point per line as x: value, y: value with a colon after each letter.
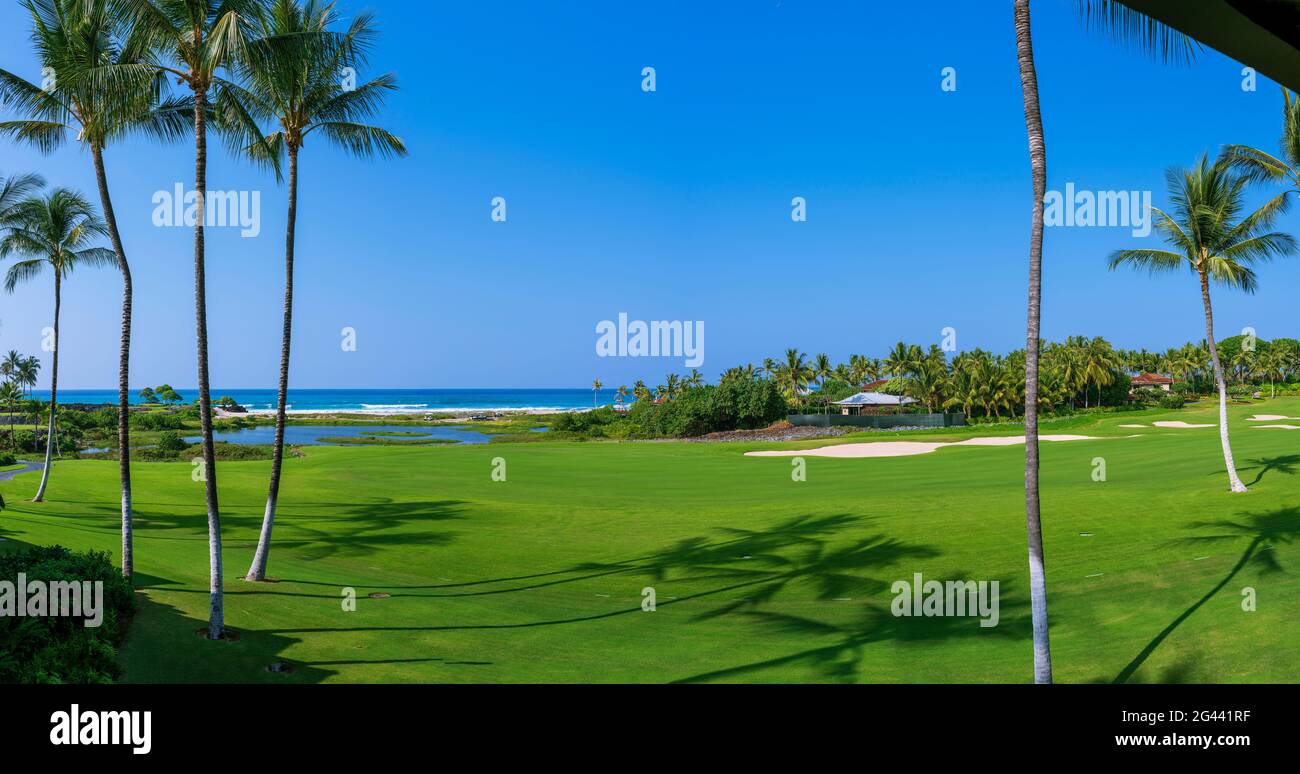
x: 389, y: 401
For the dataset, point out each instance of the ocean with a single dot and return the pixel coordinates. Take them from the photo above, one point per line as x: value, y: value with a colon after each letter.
x: 390, y: 401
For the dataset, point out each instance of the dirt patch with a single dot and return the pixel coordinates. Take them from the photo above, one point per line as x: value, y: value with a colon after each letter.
x: 227, y: 635
x: 379, y: 595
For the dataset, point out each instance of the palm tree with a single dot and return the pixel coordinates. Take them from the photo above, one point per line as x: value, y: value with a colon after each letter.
x: 55, y: 232
x: 595, y: 389
x: 1213, y: 239
x: 11, y: 392
x: 1038, y: 165
x: 75, y: 38
x: 195, y: 41
x: 292, y: 71
x: 620, y: 394
x: 1273, y: 365
x: 794, y: 374
x: 640, y: 391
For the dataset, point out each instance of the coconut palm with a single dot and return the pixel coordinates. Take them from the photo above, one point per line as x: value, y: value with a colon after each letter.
x: 595, y: 390
x: 620, y: 394
x: 1214, y: 237
x: 196, y: 42
x: 793, y: 376
x: 75, y: 39
x: 292, y: 71
x: 54, y: 232
x: 1129, y: 26
x: 11, y: 392
x: 1038, y: 166
x: 1273, y: 365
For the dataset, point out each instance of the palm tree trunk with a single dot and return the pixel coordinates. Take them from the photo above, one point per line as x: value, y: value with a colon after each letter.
x: 123, y: 366
x: 1033, y: 523
x: 216, y: 602
x: 257, y: 571
x: 54, y: 392
x: 1234, y: 481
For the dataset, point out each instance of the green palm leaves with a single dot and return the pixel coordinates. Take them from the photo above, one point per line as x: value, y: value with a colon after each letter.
x: 54, y: 232
x: 1209, y: 229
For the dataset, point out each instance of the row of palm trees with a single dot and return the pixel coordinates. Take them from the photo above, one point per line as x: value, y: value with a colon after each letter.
x: 237, y: 65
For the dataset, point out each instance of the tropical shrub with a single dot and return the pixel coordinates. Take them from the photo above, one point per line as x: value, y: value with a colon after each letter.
x: 1172, y: 401
x: 7, y: 459
x: 53, y: 649
x: 169, y: 441
x: 157, y: 420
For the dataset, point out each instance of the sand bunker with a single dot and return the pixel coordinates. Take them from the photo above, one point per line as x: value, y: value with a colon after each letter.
x: 1179, y: 424
x: 906, y: 448
x: 1282, y: 427
x: 1131, y: 426
x: 1268, y: 418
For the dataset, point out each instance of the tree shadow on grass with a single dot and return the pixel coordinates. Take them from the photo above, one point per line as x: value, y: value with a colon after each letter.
x: 356, y: 529
x: 1283, y: 464
x: 1264, y: 530
x: 164, y: 641
x: 745, y: 571
x: 840, y: 658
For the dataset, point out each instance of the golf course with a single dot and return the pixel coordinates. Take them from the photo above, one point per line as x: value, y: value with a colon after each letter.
x: 459, y: 576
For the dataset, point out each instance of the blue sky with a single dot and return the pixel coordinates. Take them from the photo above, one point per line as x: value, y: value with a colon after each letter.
x: 672, y: 205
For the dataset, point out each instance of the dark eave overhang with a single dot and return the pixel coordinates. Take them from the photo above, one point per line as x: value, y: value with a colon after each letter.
x: 1264, y: 34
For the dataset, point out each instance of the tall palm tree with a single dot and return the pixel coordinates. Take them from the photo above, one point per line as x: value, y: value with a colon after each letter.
x: 55, y: 232
x: 11, y: 392
x: 1273, y: 365
x: 620, y: 395
x: 794, y: 374
x: 596, y: 384
x: 76, y: 38
x: 1219, y: 242
x: 1130, y: 26
x: 195, y: 41
x: 292, y: 74
x: 1038, y: 166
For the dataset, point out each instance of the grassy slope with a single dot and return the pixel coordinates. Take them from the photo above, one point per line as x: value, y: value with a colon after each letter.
x: 758, y: 578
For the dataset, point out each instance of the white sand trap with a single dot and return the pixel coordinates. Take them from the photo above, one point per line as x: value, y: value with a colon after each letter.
x: 1268, y: 418
x: 1280, y: 427
x: 1180, y: 425
x: 1132, y: 426
x: 906, y: 448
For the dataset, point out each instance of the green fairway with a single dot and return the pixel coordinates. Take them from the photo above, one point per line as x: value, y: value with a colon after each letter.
x: 757, y: 577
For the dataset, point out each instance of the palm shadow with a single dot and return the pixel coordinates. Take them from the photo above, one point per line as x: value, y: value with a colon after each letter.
x: 1284, y: 464
x: 1264, y: 530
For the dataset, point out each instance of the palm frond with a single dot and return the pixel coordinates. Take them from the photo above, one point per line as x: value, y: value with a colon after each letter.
x: 361, y: 140
x: 1134, y: 29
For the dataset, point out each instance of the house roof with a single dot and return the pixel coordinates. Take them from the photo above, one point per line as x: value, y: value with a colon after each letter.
x: 1146, y: 378
x: 874, y: 399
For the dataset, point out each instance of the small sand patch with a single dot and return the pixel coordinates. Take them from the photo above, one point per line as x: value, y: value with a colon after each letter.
x: 1268, y: 418
x: 1132, y: 426
x: 906, y: 448
x: 1280, y: 427
x: 1181, y: 425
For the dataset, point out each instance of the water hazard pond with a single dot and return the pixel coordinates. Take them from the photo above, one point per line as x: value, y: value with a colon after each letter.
x: 312, y: 435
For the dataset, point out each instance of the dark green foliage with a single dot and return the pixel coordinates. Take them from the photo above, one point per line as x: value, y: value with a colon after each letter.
x: 155, y: 420
x: 169, y: 441
x: 51, y: 649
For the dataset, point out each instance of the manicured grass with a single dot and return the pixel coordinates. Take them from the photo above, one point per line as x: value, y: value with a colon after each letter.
x: 757, y: 577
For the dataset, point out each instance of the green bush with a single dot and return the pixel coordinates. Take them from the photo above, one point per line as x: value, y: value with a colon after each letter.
x: 169, y: 441
x: 1172, y: 401
x: 156, y: 420
x: 52, y: 649
x: 7, y: 459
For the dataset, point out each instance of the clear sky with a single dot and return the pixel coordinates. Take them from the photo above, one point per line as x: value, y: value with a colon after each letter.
x: 671, y: 205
